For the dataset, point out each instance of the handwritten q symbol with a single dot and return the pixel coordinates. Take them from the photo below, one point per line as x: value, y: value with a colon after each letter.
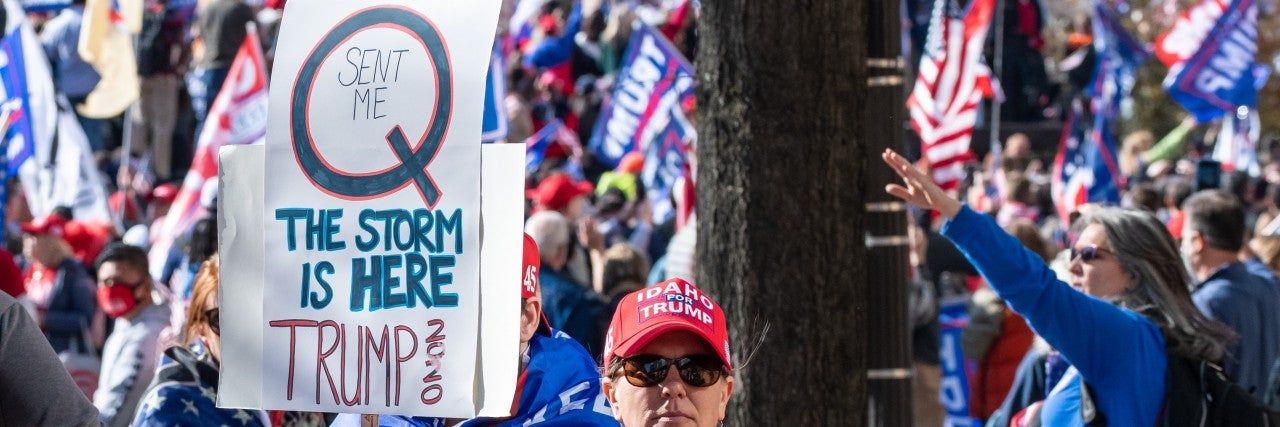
x: 412, y: 162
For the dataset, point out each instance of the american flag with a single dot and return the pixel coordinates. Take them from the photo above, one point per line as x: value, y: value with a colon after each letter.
x: 554, y: 133
x: 951, y: 81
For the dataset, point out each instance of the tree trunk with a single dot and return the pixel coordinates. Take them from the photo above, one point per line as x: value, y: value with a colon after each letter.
x: 782, y: 160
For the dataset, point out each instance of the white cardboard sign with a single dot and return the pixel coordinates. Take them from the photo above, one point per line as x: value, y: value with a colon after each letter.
x: 371, y: 216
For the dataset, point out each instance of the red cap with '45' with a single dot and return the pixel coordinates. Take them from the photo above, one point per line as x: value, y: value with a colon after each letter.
x: 673, y: 305
x: 529, y: 286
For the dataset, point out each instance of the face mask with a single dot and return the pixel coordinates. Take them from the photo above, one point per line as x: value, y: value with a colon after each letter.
x: 116, y: 300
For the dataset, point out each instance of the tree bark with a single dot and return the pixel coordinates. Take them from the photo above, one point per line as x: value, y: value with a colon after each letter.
x: 782, y: 160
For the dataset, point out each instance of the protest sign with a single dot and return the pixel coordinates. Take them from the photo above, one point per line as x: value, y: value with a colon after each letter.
x: 372, y: 216
x: 653, y: 81
x: 240, y: 225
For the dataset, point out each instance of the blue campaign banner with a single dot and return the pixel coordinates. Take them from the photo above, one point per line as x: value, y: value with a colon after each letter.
x: 1085, y: 169
x: 495, y: 89
x: 44, y: 5
x: 13, y: 88
x: 955, y: 384
x: 665, y: 162
x: 1221, y: 75
x: 654, y: 80
x: 181, y: 9
x: 1119, y: 57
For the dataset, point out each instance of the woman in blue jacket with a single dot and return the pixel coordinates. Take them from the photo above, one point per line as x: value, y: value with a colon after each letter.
x: 1126, y: 305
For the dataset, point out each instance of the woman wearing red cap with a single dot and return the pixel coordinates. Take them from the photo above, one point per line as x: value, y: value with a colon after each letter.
x: 667, y: 358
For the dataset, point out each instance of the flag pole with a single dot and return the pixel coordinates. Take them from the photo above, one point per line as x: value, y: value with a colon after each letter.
x: 994, y: 147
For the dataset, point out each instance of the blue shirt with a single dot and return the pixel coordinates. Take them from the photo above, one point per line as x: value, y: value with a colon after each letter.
x: 61, y: 40
x: 1250, y: 305
x: 561, y: 386
x: 1118, y: 352
x: 574, y: 309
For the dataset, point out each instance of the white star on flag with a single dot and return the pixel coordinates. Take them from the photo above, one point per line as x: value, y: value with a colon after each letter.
x: 243, y: 416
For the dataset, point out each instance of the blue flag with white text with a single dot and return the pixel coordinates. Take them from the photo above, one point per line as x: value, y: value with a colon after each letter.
x: 654, y: 80
x: 1119, y: 56
x: 1222, y: 74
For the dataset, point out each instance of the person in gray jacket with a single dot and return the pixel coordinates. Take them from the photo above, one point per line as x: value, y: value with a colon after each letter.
x: 34, y: 387
x: 129, y: 359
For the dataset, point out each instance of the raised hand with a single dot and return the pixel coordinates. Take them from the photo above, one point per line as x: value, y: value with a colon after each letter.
x: 918, y: 189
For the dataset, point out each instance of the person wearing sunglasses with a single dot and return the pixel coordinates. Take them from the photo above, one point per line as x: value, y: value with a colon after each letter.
x: 1125, y: 309
x: 558, y: 383
x: 666, y: 358
x: 129, y: 358
x: 185, y: 387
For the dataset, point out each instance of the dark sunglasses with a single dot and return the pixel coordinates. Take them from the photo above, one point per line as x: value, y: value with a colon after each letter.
x: 648, y: 370
x: 1087, y: 253
x: 211, y: 317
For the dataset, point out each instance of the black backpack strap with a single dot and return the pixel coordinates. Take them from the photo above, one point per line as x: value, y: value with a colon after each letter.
x: 1090, y: 414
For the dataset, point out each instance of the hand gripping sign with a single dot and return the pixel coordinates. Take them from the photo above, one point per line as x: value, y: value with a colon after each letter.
x: 371, y: 296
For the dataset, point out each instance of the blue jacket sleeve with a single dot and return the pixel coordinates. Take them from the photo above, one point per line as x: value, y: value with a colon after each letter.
x: 1104, y: 342
x: 554, y: 50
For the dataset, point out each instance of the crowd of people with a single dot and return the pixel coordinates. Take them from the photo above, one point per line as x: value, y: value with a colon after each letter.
x: 140, y: 342
x: 1178, y: 270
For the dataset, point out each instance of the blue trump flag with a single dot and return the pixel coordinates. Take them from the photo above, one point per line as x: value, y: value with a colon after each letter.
x: 44, y: 5
x: 665, y: 162
x: 954, y: 389
x: 654, y: 80
x: 495, y: 88
x: 1119, y: 56
x: 13, y: 81
x: 1221, y: 75
x: 1085, y: 169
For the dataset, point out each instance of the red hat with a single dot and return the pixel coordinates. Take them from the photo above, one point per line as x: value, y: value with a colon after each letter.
x: 118, y: 201
x: 673, y: 305
x: 530, y: 286
x: 51, y: 224
x: 632, y: 163
x: 164, y: 193
x: 556, y: 191
x: 532, y: 262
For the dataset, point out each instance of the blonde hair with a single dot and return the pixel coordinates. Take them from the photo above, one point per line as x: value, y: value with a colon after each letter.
x: 204, y: 289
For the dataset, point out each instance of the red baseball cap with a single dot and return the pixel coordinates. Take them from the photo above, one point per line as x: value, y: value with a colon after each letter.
x: 556, y: 191
x: 673, y: 305
x: 164, y: 193
x: 530, y: 286
x: 51, y: 224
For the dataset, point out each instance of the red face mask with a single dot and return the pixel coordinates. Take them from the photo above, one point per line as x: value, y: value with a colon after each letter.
x: 116, y: 300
